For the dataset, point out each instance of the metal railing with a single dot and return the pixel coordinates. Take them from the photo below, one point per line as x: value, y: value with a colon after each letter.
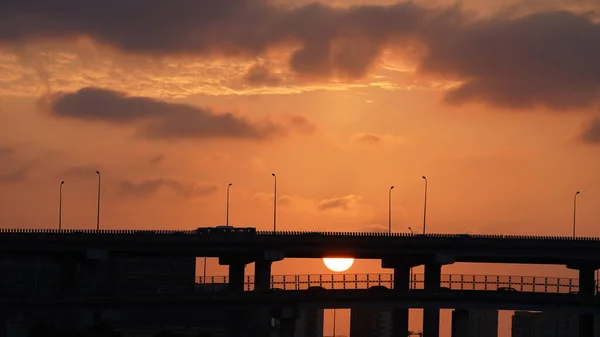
x: 540, y: 284
x: 292, y: 233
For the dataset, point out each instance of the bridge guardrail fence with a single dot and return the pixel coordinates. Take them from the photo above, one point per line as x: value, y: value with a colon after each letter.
x: 290, y: 233
x: 364, y: 281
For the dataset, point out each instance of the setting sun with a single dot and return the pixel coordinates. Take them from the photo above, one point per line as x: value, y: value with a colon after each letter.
x: 338, y: 264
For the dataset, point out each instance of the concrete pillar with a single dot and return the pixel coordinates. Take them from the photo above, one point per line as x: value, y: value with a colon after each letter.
x: 400, y: 315
x: 586, y: 288
x: 262, y: 275
x: 431, y: 316
x: 287, y: 327
x: 68, y: 271
x: 236, y: 276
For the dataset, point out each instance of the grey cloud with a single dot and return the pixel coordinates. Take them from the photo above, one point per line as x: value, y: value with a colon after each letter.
x: 591, y: 134
x: 548, y: 59
x: 14, y: 175
x: 260, y: 74
x: 180, y: 188
x: 157, y: 159
x: 156, y: 119
x: 544, y: 58
x: 367, y: 138
x: 6, y: 152
x: 12, y: 168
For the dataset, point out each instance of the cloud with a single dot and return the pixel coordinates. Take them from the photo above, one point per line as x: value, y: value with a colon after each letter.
x: 591, y: 133
x: 151, y: 187
x: 260, y: 74
x: 11, y: 167
x: 344, y: 203
x: 547, y: 59
x: 372, y: 141
x: 15, y: 175
x: 519, y: 59
x: 157, y: 159
x: 155, y: 119
x: 367, y: 138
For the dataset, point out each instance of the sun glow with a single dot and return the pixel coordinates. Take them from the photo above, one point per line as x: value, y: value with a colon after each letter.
x: 338, y: 264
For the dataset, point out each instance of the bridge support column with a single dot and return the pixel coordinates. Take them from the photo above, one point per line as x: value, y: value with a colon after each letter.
x: 400, y: 315
x: 236, y: 276
x: 586, y: 288
x: 68, y: 271
x: 287, y: 327
x: 431, y: 316
x: 262, y: 275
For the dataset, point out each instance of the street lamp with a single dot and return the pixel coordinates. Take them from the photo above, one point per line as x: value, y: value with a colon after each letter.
x: 60, y: 205
x: 227, y: 216
x: 98, y: 213
x: 333, y: 322
x: 425, y: 205
x: 390, y: 210
x: 575, y: 210
x: 274, y: 204
x: 410, y: 277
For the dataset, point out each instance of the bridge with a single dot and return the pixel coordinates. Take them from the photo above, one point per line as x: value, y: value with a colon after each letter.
x: 397, y: 251
x: 302, y: 299
x: 541, y: 284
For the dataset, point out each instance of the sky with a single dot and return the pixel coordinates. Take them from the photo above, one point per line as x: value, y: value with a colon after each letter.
x: 496, y: 102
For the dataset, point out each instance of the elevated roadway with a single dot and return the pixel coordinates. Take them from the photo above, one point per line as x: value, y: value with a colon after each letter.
x: 462, y: 248
x: 466, y: 299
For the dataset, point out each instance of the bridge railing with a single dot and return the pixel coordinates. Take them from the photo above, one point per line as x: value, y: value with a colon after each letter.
x: 364, y: 281
x: 290, y: 233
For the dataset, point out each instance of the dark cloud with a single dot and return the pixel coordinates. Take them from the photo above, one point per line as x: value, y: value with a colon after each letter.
x: 591, y: 134
x: 80, y: 171
x: 180, y: 188
x: 156, y: 119
x: 260, y: 74
x: 14, y: 175
x: 157, y: 159
x: 12, y: 168
x: 546, y: 58
x: 6, y: 152
x: 367, y: 138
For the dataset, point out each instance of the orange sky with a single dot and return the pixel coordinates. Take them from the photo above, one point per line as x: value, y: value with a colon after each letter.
x: 495, y: 102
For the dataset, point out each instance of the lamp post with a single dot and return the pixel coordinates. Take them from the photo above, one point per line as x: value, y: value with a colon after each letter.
x: 98, y: 212
x: 274, y: 204
x: 425, y: 205
x: 60, y: 205
x: 410, y: 282
x: 575, y: 210
x: 227, y: 215
x: 333, y: 323
x: 204, y: 272
x: 390, y: 210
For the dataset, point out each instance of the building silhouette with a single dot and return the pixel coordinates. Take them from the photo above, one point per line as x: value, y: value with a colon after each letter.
x: 368, y: 322
x: 309, y: 323
x: 548, y: 324
x: 474, y: 323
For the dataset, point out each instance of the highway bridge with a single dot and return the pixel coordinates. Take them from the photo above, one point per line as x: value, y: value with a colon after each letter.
x: 321, y: 298
x: 397, y: 251
x: 360, y: 245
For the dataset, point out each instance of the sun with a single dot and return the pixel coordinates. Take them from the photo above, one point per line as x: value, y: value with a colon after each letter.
x: 338, y: 264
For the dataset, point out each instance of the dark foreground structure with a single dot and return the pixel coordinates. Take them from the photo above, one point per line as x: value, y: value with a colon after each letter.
x: 95, y: 270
